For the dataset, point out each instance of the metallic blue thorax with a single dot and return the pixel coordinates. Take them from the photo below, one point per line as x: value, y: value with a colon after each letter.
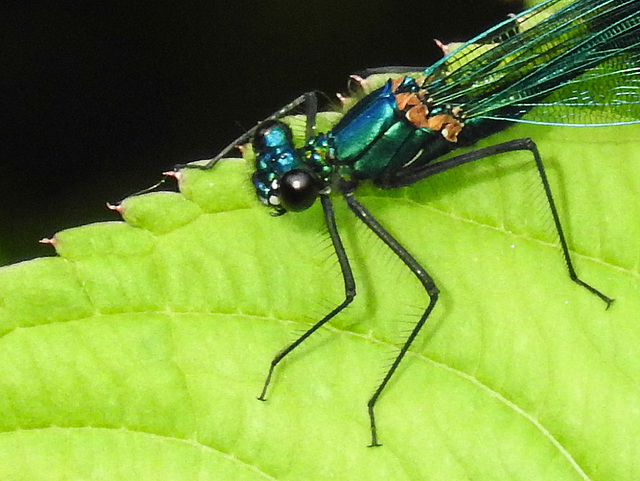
x: 373, y: 138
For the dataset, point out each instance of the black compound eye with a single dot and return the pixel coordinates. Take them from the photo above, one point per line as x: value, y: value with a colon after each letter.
x: 298, y: 190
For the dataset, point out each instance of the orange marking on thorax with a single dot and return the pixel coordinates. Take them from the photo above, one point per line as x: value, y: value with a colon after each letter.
x: 447, y: 125
x: 416, y: 112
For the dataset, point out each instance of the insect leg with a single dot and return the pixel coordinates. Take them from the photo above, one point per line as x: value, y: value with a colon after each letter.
x: 413, y: 175
x: 349, y: 288
x: 426, y: 280
x: 308, y: 98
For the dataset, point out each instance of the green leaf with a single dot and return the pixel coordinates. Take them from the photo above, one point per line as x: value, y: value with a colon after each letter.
x: 139, y: 351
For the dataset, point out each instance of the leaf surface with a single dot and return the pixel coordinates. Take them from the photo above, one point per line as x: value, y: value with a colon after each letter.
x: 138, y: 352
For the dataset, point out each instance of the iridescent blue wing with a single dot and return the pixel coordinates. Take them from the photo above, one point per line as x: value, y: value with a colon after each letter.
x: 560, y: 62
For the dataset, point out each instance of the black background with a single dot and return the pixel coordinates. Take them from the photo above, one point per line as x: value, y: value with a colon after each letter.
x: 98, y: 100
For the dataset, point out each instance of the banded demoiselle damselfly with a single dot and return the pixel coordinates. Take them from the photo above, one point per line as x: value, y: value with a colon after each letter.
x: 562, y: 62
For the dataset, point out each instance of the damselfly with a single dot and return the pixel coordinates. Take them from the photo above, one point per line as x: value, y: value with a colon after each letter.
x: 562, y: 62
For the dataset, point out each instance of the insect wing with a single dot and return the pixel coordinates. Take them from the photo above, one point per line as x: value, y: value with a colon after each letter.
x: 606, y: 95
x: 577, y: 63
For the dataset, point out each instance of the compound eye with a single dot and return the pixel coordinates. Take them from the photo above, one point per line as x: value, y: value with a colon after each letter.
x: 298, y: 190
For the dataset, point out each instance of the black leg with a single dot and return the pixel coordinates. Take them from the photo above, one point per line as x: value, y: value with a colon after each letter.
x: 311, y: 110
x: 413, y: 175
x: 426, y: 280
x: 349, y: 288
x: 308, y: 98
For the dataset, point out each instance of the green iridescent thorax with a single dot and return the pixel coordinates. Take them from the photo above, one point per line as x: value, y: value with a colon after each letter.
x: 319, y: 155
x: 377, y: 136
